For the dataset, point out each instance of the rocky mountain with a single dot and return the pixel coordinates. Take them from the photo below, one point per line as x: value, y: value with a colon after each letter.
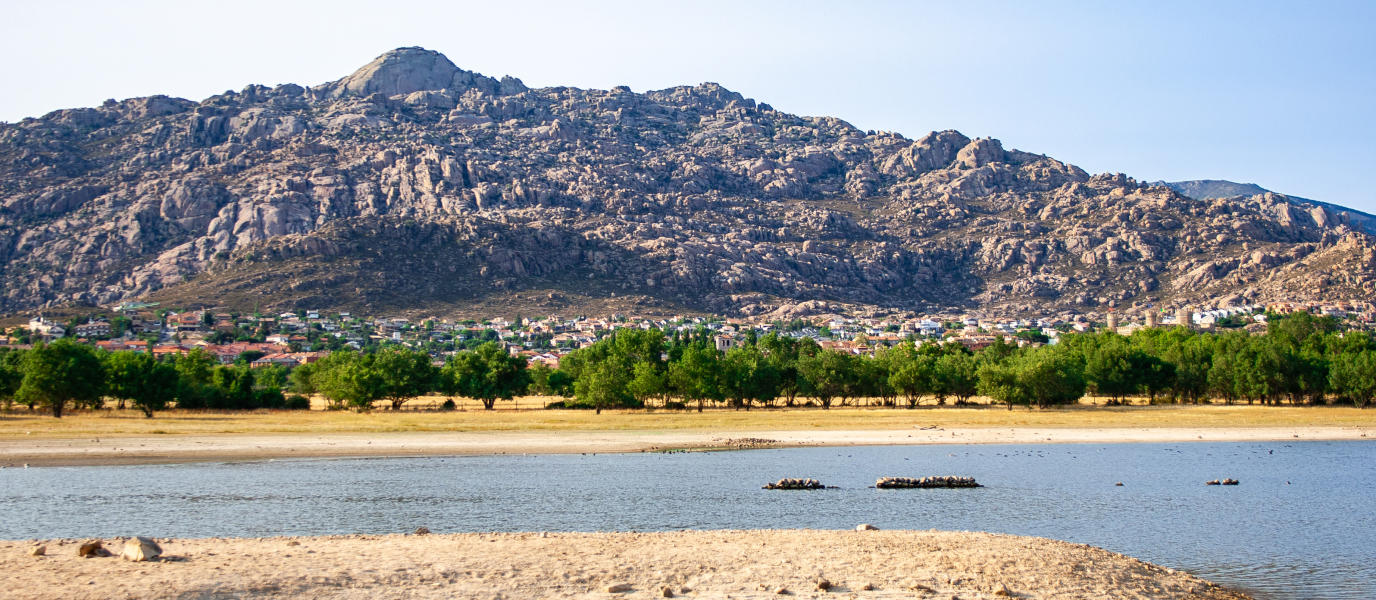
x: 414, y: 184
x: 1208, y: 189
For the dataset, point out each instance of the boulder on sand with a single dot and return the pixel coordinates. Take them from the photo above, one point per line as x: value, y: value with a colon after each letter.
x: 92, y: 549
x: 139, y: 549
x: 39, y: 550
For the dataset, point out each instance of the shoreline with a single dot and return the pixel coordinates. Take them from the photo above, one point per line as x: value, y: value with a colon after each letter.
x: 691, y: 564
x: 17, y: 451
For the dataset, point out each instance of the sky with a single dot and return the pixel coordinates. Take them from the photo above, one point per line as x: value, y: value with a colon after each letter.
x: 1280, y: 94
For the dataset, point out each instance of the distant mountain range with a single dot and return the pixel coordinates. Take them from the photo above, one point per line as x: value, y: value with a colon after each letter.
x: 1205, y: 189
x: 415, y: 186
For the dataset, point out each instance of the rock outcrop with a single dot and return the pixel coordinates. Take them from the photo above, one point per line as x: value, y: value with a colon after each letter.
x: 416, y: 178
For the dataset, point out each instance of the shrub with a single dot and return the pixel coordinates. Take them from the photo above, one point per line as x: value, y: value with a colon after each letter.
x: 448, y: 405
x: 297, y: 402
x: 270, y: 398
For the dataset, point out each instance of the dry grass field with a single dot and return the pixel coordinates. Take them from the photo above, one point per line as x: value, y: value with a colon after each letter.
x: 525, y: 415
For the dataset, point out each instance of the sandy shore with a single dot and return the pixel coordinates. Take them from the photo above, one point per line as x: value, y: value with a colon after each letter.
x: 711, y: 564
x: 38, y: 451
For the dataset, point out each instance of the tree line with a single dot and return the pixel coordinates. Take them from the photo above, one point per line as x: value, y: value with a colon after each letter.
x: 1300, y: 360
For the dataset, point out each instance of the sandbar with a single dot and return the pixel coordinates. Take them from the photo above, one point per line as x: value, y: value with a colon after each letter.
x: 16, y: 451
x: 692, y: 564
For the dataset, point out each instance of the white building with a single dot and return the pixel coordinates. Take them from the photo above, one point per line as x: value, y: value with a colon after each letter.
x: 46, y: 329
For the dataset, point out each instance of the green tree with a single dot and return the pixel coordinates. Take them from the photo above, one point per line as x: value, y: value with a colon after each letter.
x: 647, y: 382
x: 248, y: 356
x: 195, y: 366
x: 999, y: 382
x: 1353, y: 376
x: 829, y: 374
x: 61, y: 372
x: 234, y: 388
x: 1223, y: 376
x: 1192, y: 358
x: 783, y: 353
x: 11, y: 375
x: 1109, y: 368
x: 956, y: 374
x: 696, y: 375
x: 194, y: 389
x: 1153, y: 374
x: 139, y: 378
x: 1297, y: 328
x: 272, y: 376
x: 487, y: 373
x: 605, y: 385
x: 545, y: 381
x: 1050, y: 377
x: 748, y: 376
x: 299, y: 381
x: 405, y: 374
x: 909, y: 373
x: 347, y: 379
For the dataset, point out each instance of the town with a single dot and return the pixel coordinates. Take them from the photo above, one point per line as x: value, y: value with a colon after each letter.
x: 289, y: 339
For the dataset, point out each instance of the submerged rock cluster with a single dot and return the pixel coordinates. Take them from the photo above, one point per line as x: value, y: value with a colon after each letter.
x: 795, y: 484
x: 926, y: 482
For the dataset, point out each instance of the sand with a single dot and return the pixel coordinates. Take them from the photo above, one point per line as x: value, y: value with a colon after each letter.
x: 708, y: 564
x: 39, y: 451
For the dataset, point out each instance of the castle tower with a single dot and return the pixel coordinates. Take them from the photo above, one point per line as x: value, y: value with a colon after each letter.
x: 1113, y: 322
x: 1151, y: 318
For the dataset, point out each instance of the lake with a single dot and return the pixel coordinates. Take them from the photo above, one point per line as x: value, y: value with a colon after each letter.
x: 1302, y: 524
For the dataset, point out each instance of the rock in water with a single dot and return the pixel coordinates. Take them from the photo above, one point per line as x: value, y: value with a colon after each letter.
x: 421, y: 531
x: 795, y: 484
x: 38, y: 551
x: 926, y: 482
x: 139, y: 549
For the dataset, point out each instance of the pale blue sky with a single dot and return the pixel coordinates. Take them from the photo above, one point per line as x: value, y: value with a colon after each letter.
x: 1278, y: 94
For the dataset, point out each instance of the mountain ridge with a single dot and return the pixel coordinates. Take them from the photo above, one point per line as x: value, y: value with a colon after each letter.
x: 692, y: 197
x: 1208, y: 189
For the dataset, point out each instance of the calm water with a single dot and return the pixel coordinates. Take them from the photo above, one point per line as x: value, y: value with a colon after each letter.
x: 1301, y: 525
